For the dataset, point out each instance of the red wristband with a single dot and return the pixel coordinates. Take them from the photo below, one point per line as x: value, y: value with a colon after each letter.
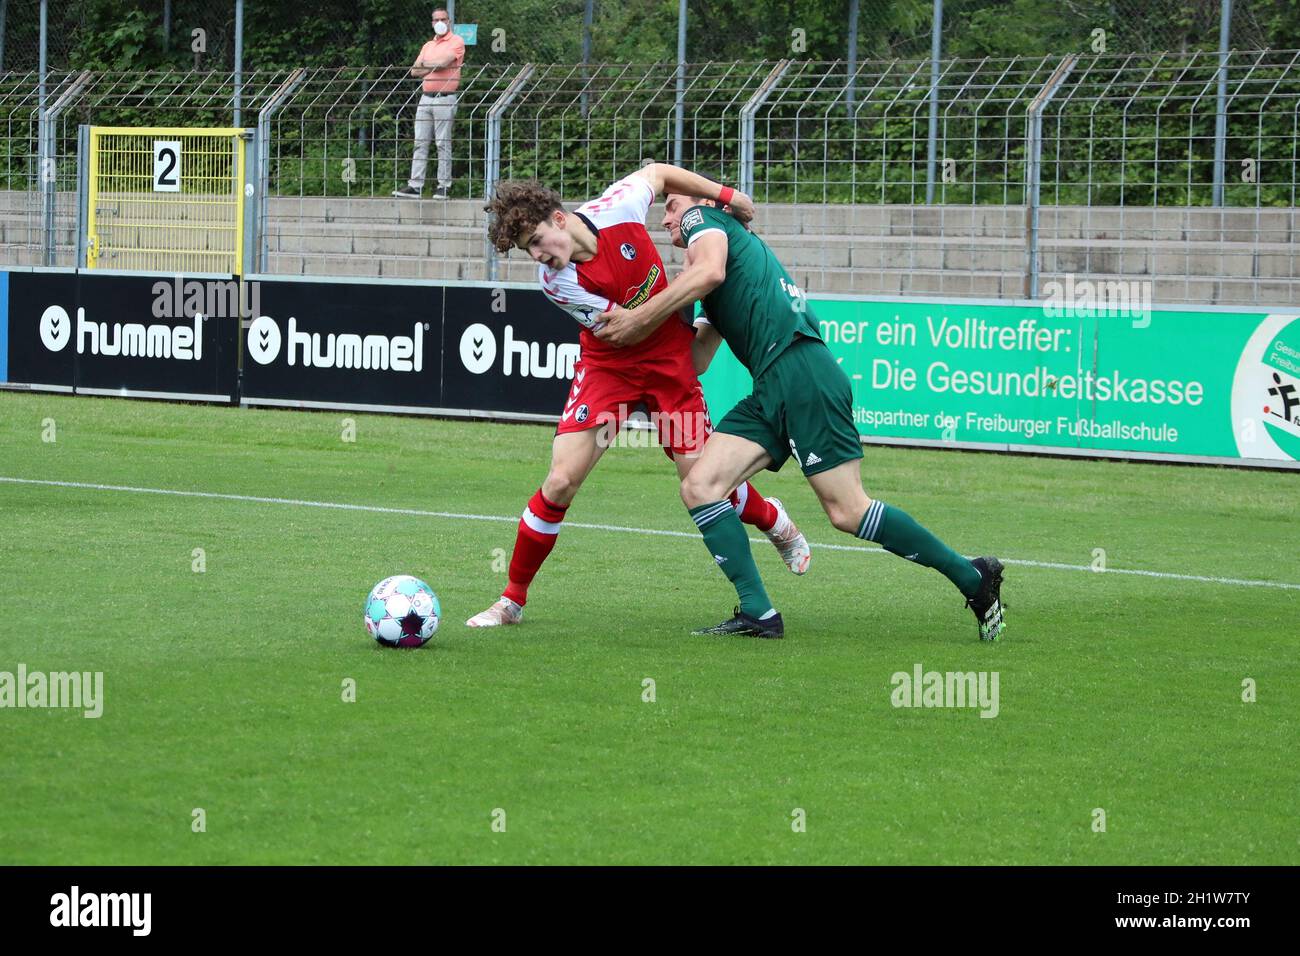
x: 724, y: 196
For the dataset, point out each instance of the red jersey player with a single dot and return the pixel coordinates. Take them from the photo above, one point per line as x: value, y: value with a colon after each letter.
x: 590, y: 260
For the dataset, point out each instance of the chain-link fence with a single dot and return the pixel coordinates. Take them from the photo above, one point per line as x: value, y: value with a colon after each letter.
x: 21, y: 33
x: 127, y: 34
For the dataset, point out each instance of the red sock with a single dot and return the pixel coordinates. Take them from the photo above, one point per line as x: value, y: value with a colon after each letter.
x: 753, y: 508
x: 538, y: 529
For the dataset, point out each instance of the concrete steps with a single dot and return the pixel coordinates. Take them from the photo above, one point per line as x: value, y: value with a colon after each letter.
x: 1189, y: 254
x: 25, y: 255
x: 959, y: 253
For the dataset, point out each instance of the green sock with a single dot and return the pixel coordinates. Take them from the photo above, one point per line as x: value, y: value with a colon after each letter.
x: 897, y: 532
x: 727, y: 541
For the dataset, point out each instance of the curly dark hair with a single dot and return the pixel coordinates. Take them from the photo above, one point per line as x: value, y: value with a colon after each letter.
x: 516, y: 209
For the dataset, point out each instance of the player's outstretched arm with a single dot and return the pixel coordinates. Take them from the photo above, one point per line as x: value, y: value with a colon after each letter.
x: 707, y: 339
x: 705, y: 272
x: 666, y: 178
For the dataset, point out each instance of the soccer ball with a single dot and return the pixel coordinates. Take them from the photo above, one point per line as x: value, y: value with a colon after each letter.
x: 402, y: 611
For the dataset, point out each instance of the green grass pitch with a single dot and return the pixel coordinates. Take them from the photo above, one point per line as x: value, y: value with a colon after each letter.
x: 223, y: 689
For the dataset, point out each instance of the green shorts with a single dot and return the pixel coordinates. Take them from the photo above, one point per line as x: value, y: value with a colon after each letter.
x: 802, y: 406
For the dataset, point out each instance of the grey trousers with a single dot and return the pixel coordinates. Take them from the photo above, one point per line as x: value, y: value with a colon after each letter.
x: 433, y: 122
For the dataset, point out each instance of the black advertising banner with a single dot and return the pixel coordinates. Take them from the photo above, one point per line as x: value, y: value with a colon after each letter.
x: 38, y: 344
x: 163, y: 335
x: 472, y: 350
x: 506, y: 350
x: 344, y: 343
x: 456, y: 349
x: 150, y: 336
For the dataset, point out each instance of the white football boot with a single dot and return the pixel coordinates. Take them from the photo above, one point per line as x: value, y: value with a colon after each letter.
x: 788, y: 540
x: 505, y: 611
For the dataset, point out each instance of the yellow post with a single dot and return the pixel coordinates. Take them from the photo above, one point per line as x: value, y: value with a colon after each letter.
x: 92, y: 244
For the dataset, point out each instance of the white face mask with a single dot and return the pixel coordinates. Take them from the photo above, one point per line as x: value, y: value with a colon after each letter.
x: 440, y: 27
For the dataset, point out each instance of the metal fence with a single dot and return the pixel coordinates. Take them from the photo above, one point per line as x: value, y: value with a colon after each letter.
x: 1038, y: 166
x: 40, y: 150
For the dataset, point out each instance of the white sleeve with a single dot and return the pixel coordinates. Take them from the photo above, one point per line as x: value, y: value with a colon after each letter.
x: 703, y: 232
x: 563, y: 289
x: 694, y: 225
x: 628, y: 200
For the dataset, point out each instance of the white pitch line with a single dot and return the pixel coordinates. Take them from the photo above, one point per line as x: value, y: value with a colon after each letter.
x: 418, y: 512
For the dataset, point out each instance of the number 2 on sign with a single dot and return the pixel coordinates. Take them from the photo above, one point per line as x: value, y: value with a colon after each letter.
x: 166, y: 166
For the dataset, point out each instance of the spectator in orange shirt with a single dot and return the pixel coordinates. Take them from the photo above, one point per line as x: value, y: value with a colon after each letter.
x: 438, y: 69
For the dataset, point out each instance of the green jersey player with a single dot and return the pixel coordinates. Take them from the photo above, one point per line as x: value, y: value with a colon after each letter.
x: 801, y: 407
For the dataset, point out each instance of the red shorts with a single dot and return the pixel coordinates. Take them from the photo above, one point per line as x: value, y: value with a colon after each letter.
x: 665, y: 384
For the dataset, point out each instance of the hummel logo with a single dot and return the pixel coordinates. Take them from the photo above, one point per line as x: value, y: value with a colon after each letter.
x: 812, y: 460
x: 720, y: 559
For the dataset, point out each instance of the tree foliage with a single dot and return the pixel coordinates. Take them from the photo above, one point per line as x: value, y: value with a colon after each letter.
x: 127, y: 34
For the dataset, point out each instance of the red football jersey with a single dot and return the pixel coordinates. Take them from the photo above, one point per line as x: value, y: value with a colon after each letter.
x: 626, y: 270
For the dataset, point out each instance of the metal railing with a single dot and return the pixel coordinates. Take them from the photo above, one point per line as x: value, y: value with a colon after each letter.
x: 39, y: 152
x: 28, y: 165
x: 1106, y: 166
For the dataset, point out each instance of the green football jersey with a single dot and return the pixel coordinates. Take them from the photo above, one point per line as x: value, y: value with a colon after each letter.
x: 758, y: 309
